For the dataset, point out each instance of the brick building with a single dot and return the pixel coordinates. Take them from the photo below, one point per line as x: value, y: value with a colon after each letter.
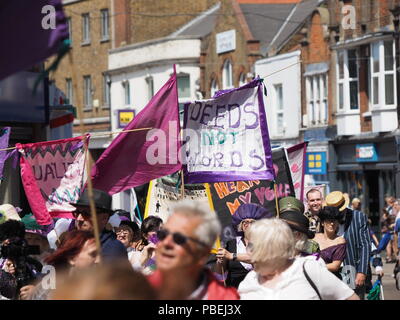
x: 82, y: 78
x: 363, y: 157
x: 349, y: 97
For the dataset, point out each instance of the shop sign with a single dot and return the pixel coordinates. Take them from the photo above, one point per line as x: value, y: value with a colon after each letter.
x: 226, y: 41
x: 124, y: 117
x: 316, y: 163
x: 366, y: 153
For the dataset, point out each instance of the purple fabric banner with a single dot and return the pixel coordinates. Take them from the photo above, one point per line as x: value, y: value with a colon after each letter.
x: 135, y: 158
x: 4, y: 137
x: 227, y: 137
x: 25, y: 40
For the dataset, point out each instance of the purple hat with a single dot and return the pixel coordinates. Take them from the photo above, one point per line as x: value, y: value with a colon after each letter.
x: 250, y: 211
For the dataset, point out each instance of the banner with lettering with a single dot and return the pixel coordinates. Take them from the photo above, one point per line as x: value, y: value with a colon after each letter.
x: 53, y: 176
x: 228, y: 196
x: 226, y: 138
x: 165, y: 192
x: 296, y: 157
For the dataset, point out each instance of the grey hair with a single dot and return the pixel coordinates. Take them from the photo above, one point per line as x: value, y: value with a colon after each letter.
x: 272, y: 243
x: 301, y: 241
x: 210, y: 228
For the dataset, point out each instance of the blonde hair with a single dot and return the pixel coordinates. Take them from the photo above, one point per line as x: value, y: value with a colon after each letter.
x: 272, y: 243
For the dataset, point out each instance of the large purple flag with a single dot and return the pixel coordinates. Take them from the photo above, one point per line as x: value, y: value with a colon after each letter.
x: 28, y: 34
x: 4, y: 137
x: 135, y: 158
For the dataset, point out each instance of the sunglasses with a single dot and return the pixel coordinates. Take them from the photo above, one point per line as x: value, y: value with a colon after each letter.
x: 178, y: 237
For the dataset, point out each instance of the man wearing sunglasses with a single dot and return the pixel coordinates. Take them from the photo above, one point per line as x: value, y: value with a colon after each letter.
x: 185, y: 242
x: 111, y: 248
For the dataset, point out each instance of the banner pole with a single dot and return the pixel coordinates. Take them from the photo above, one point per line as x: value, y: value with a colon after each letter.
x: 183, y: 186
x: 88, y: 162
x: 276, y: 199
x: 223, y: 273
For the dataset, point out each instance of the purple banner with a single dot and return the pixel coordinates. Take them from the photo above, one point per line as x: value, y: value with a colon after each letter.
x: 4, y: 137
x: 227, y: 137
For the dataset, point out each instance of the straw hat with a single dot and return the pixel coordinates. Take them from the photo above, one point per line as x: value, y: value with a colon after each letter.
x: 337, y: 199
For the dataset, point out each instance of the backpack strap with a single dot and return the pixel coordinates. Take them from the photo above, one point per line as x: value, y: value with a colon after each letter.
x: 312, y: 284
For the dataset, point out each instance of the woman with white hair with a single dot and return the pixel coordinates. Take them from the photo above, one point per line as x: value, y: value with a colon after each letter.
x: 279, y: 275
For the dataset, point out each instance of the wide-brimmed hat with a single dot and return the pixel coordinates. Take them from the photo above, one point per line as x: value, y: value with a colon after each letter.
x: 337, y: 199
x: 297, y: 221
x: 101, y: 199
x: 250, y: 211
x: 289, y: 204
x: 8, y: 212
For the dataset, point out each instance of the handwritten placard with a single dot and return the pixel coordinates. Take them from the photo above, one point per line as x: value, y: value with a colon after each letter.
x: 227, y: 137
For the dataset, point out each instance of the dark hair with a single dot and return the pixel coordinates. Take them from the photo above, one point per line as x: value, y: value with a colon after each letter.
x: 126, y: 228
x: 151, y: 223
x: 12, y: 229
x: 330, y: 213
x: 134, y: 227
x: 71, y: 244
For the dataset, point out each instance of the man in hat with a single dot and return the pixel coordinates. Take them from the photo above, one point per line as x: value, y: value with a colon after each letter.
x: 354, y: 228
x: 292, y: 211
x: 111, y: 248
x: 314, y: 201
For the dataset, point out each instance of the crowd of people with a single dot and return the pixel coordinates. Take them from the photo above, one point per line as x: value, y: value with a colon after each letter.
x: 324, y: 253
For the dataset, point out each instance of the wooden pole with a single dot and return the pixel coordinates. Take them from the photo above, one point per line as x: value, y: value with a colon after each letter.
x: 88, y: 158
x: 276, y: 199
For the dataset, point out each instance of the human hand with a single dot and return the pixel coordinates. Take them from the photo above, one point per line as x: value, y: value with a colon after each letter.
x: 360, y: 279
x: 149, y: 249
x: 9, y: 267
x: 26, y: 292
x: 223, y: 253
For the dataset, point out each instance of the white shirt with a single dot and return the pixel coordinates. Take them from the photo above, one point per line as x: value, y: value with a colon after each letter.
x: 241, y: 248
x: 293, y: 284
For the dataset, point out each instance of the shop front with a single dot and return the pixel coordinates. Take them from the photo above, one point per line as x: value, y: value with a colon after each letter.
x: 365, y: 168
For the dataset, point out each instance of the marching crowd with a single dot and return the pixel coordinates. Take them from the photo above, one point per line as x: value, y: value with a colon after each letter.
x: 328, y: 252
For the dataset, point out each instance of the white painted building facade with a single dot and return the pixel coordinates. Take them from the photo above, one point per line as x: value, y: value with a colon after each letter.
x: 283, y: 100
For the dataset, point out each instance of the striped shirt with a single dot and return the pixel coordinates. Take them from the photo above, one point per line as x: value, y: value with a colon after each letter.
x: 358, y: 241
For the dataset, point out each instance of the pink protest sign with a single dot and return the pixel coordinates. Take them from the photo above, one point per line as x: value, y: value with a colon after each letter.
x: 53, y: 176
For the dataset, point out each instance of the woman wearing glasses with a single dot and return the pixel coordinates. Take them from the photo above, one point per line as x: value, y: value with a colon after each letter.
x: 234, y: 258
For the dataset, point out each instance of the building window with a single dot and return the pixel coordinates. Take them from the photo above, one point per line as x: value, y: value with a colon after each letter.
x: 214, y: 87
x: 227, y: 75
x: 127, y: 92
x: 184, y: 86
x: 87, y: 92
x: 150, y: 87
x: 383, y: 74
x: 242, y: 79
x: 105, y: 25
x: 68, y: 90
x: 85, y: 28
x: 347, y: 80
x: 106, y: 91
x: 279, y: 108
x: 317, y: 99
x: 69, y: 22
